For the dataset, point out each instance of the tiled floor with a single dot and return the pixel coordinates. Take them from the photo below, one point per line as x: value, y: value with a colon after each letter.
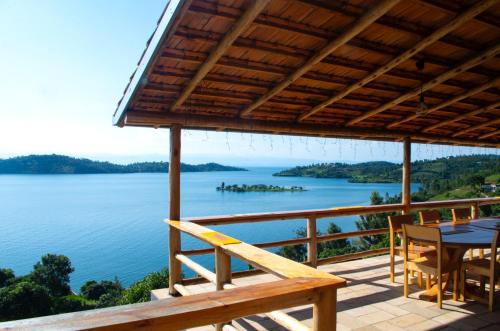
x: 371, y: 302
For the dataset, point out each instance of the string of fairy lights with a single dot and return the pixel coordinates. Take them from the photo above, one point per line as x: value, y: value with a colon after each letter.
x: 331, y: 149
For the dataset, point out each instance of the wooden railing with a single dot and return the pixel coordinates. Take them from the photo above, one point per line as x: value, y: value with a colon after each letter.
x: 201, y: 309
x: 313, y: 215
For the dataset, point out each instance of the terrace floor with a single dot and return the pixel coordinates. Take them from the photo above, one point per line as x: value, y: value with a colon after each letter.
x: 371, y: 302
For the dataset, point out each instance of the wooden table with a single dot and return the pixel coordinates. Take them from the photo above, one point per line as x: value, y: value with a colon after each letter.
x: 458, y: 239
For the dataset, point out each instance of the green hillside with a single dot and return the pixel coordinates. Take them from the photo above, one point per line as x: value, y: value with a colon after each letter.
x: 60, y: 164
x: 449, y: 168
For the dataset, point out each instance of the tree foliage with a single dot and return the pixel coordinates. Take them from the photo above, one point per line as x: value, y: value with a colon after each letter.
x: 53, y: 272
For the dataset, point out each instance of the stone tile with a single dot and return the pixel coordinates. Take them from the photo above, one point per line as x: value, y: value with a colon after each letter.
x: 427, y: 325
x: 387, y: 326
x: 363, y: 310
x: 408, y: 320
x: 394, y: 310
x: 376, y: 317
x: 349, y: 321
x: 415, y: 308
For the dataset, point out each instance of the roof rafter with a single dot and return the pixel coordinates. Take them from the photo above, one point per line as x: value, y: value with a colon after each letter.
x: 359, y: 25
x: 447, y: 103
x: 475, y: 127
x: 347, y: 8
x: 461, y: 117
x: 241, y: 25
x: 491, y: 134
x: 479, y: 58
x: 439, y: 33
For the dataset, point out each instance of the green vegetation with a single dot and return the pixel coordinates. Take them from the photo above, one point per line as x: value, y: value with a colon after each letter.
x: 46, y: 290
x: 386, y: 172
x: 60, y: 164
x: 258, y: 188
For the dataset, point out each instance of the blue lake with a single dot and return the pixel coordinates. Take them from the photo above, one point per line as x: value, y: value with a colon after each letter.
x: 112, y: 225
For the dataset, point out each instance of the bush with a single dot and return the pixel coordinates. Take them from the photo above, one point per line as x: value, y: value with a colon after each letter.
x: 6, y: 277
x: 141, y: 291
x: 71, y: 303
x: 23, y: 300
x: 93, y: 290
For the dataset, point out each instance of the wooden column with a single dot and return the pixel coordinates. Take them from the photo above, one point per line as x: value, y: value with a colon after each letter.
x: 475, y: 215
x: 174, y: 174
x: 406, y: 199
x: 312, y: 255
x: 325, y: 311
x: 222, y: 275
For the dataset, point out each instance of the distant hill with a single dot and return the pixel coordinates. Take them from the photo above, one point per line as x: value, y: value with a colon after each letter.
x: 60, y: 164
x: 387, y: 172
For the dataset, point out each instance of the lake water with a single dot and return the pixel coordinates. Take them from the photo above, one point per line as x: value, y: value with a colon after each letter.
x: 112, y: 225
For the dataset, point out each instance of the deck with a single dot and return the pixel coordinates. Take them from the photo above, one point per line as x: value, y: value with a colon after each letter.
x: 371, y: 302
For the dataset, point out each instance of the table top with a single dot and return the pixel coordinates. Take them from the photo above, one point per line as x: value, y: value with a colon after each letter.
x: 477, y: 234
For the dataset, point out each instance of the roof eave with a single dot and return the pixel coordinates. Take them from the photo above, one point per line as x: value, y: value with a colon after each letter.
x: 147, y: 59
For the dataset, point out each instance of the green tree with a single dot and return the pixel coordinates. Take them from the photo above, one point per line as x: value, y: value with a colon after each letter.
x: 375, y: 221
x: 53, y: 272
x: 6, y: 277
x: 141, y: 291
x: 24, y: 299
x: 93, y: 290
x: 295, y: 252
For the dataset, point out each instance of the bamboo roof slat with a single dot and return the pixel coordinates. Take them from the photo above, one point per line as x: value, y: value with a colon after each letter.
x: 322, y: 68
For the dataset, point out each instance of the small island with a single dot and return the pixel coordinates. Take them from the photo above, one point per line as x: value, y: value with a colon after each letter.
x: 258, y: 188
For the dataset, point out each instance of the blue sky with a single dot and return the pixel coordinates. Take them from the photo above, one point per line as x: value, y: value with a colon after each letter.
x: 64, y: 65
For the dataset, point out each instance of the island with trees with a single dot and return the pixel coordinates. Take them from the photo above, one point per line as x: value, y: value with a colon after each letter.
x: 61, y: 164
x: 258, y: 188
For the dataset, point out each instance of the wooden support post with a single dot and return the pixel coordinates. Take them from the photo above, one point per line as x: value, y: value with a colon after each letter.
x: 174, y: 172
x: 312, y: 255
x: 325, y: 311
x: 406, y: 199
x: 223, y: 274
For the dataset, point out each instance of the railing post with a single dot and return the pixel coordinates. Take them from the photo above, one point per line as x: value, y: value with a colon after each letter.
x: 406, y: 193
x: 312, y: 254
x: 325, y: 311
x: 222, y: 274
x: 175, y: 267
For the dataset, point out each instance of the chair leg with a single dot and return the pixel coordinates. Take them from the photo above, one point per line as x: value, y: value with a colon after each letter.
x: 491, y: 296
x: 428, y: 282
x: 420, y: 280
x: 481, y: 253
x: 482, y: 285
x: 405, y: 281
x: 471, y: 254
x: 462, y: 284
x: 440, y: 292
x: 455, y: 285
x: 392, y: 268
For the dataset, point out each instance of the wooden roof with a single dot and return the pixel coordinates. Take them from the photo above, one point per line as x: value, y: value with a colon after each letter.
x: 323, y: 68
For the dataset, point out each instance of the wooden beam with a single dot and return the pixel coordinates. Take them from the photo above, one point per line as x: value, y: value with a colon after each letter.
x: 241, y: 25
x: 144, y: 118
x: 422, y: 44
x: 476, y: 127
x: 406, y: 192
x: 371, y: 16
x: 197, y: 268
x: 463, y: 116
x: 490, y: 134
x: 459, y: 97
x: 174, y: 174
x: 312, y: 254
x: 477, y: 59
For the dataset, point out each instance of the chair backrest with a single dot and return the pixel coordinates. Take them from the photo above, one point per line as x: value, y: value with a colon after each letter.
x: 396, y: 222
x: 395, y: 227
x: 429, y: 217
x: 461, y: 215
x: 421, y: 234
